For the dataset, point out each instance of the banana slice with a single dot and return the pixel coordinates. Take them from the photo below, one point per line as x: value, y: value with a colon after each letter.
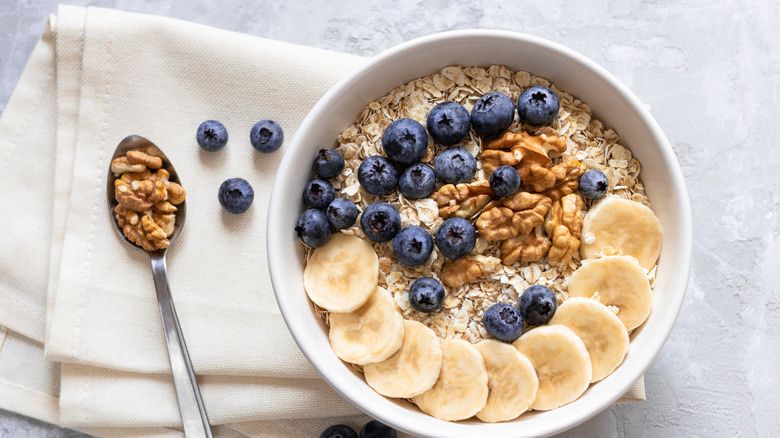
x: 512, y: 381
x: 371, y: 333
x: 605, y: 337
x: 342, y: 274
x: 615, y: 281
x: 413, y: 369
x: 561, y: 362
x: 623, y: 225
x: 462, y: 387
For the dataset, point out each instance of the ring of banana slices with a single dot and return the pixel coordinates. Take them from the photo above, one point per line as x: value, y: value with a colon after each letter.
x: 549, y: 366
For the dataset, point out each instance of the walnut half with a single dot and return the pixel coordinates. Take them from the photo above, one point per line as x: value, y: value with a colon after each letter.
x: 518, y: 214
x: 564, y: 226
x: 462, y: 200
x: 467, y: 270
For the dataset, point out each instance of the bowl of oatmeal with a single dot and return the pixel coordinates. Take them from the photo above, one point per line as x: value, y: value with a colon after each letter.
x: 600, y: 125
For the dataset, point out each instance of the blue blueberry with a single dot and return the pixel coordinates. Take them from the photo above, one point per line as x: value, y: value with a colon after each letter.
x: 236, y: 195
x: 412, y: 246
x: 426, y: 294
x: 212, y: 135
x: 455, y: 165
x: 503, y: 322
x: 375, y: 429
x: 504, y: 181
x: 537, y: 106
x: 328, y: 163
x: 448, y: 123
x: 266, y: 136
x: 492, y: 114
x: 455, y: 237
x: 313, y: 228
x: 339, y: 431
x: 538, y: 304
x: 378, y: 175
x: 342, y: 213
x: 380, y: 222
x: 417, y: 181
x: 594, y: 184
x: 405, y: 141
x: 319, y: 193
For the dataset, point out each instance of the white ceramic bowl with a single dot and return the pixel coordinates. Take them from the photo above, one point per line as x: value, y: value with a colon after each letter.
x: 610, y: 101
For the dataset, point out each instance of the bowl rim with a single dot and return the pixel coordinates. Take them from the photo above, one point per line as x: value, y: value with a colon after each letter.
x: 683, y: 216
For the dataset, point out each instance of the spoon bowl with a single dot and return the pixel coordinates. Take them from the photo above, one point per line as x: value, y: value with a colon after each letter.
x: 195, y: 422
x: 138, y: 143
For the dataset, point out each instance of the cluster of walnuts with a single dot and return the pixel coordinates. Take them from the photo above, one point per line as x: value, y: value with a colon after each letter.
x: 545, y: 220
x: 146, y: 199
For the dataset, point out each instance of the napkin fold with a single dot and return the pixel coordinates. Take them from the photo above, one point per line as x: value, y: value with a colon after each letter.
x: 68, y: 282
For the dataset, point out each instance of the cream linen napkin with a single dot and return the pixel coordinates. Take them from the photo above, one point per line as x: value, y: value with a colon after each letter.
x: 108, y: 74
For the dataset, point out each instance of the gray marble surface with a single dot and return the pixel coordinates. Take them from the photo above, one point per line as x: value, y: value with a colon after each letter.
x: 710, y: 71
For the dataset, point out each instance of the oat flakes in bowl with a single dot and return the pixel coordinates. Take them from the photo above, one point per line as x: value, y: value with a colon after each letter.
x: 492, y: 278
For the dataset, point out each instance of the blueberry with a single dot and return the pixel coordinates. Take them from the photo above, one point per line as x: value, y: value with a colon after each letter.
x: 455, y: 237
x: 538, y: 304
x: 412, y: 246
x: 328, y: 164
x: 375, y: 429
x: 492, y: 114
x: 212, y: 135
x: 426, y: 294
x: 339, y: 431
x: 448, y: 123
x: 266, y: 136
x: 342, y: 213
x: 537, y: 106
x: 380, y: 222
x: 378, y: 175
x: 594, y: 184
x: 319, y: 193
x: 455, y: 166
x: 504, y: 181
x: 405, y: 141
x: 236, y: 195
x: 313, y: 228
x: 417, y: 181
x: 503, y: 322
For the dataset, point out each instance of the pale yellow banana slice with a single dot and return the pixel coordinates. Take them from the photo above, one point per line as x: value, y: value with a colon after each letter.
x: 561, y: 362
x: 512, y: 381
x: 605, y: 337
x: 371, y: 333
x: 342, y: 274
x: 623, y: 225
x: 413, y: 369
x: 615, y: 281
x: 462, y: 387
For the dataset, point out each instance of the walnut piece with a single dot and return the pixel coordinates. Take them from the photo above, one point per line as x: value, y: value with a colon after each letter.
x: 518, y: 214
x: 462, y: 200
x: 523, y: 147
x: 564, y: 226
x: 567, y: 181
x: 467, y: 270
x: 138, y: 157
x: 176, y: 193
x: 530, y: 247
x: 121, y: 165
x: 139, y: 195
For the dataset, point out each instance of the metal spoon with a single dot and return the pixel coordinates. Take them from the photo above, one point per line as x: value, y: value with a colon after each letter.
x: 193, y: 413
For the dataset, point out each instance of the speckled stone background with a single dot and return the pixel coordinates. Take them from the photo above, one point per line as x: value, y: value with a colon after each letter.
x: 709, y: 69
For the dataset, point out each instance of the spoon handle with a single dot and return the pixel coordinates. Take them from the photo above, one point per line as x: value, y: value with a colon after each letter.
x: 193, y: 413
